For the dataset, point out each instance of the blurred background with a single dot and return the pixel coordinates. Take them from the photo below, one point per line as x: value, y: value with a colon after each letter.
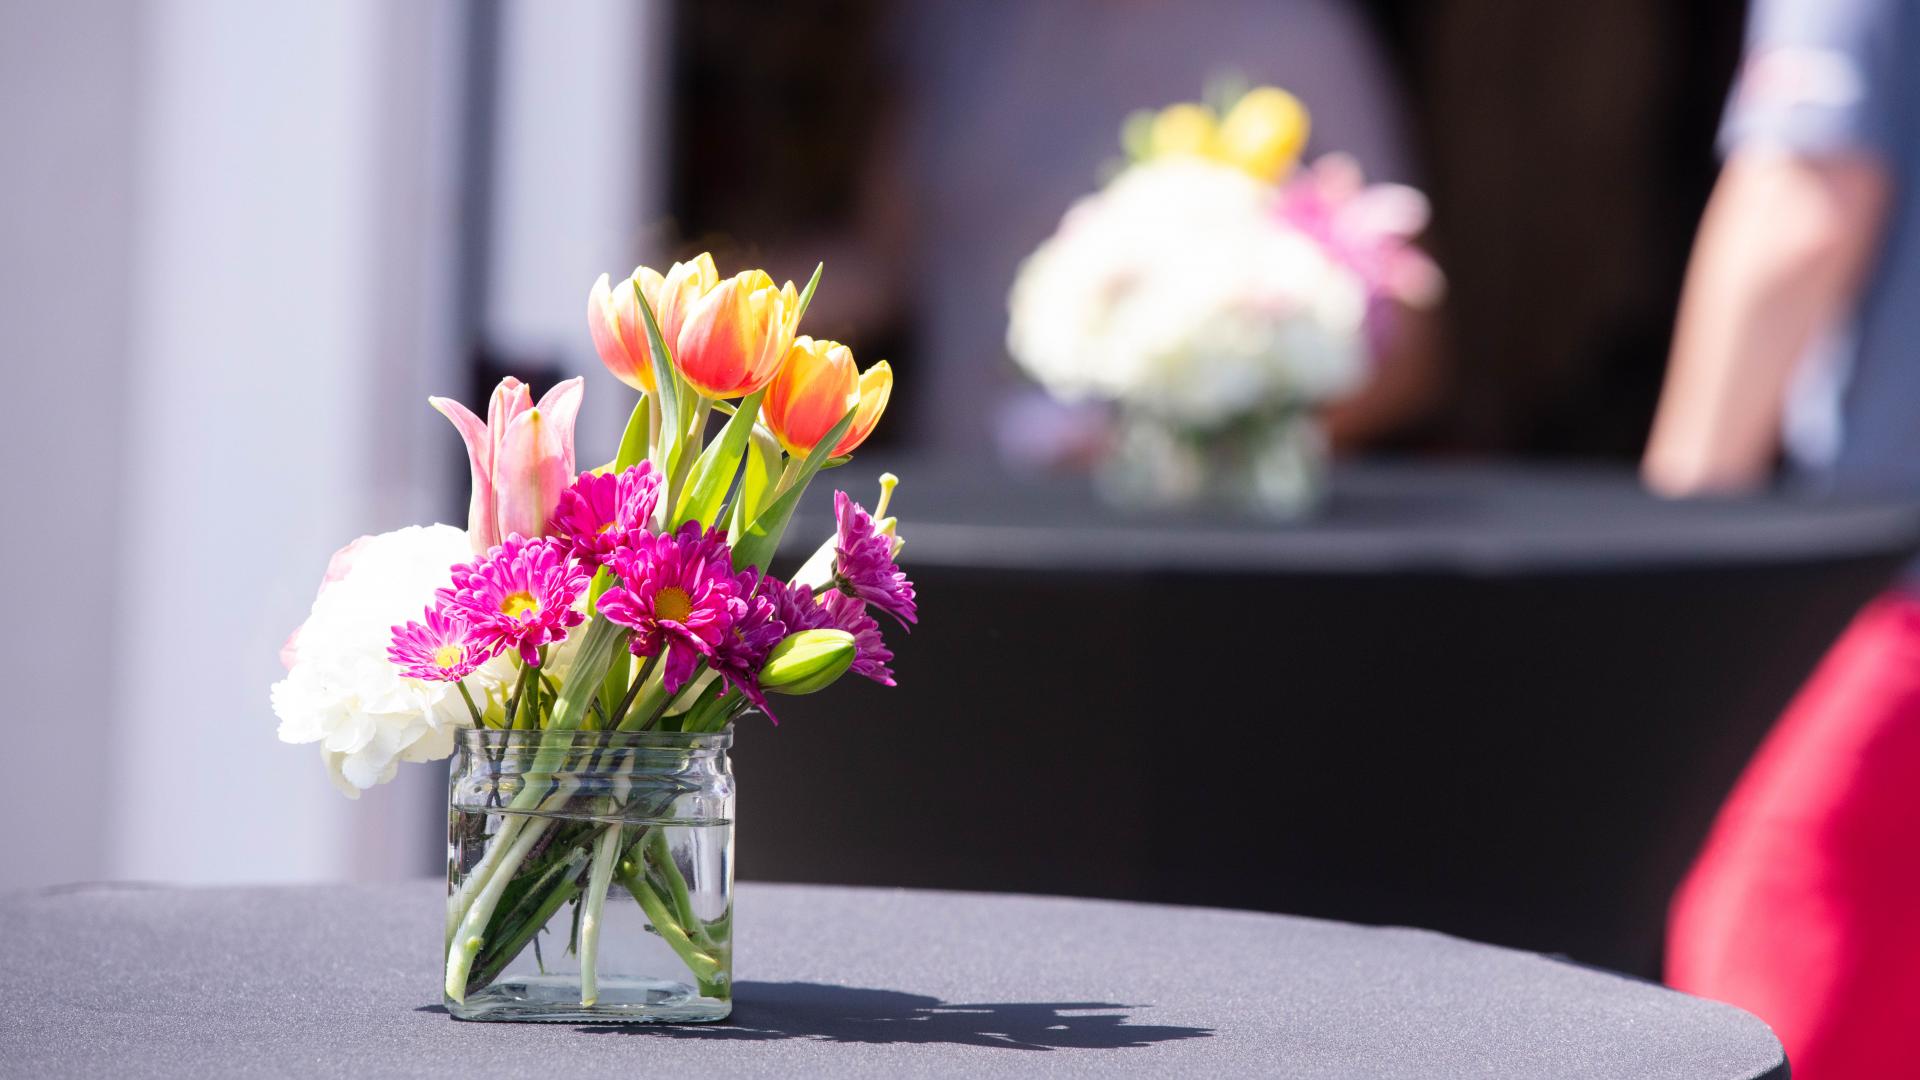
x: 244, y: 242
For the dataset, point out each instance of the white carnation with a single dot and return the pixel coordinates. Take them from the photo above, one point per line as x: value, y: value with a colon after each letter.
x: 1178, y: 291
x: 342, y: 692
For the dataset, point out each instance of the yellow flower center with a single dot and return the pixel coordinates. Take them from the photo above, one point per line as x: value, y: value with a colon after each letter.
x: 673, y: 603
x: 449, y: 656
x: 515, y: 605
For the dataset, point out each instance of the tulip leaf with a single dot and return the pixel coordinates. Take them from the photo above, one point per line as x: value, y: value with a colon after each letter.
x: 634, y: 441
x: 762, y: 538
x: 760, y: 469
x: 664, y: 379
x: 806, y: 294
x: 713, y: 474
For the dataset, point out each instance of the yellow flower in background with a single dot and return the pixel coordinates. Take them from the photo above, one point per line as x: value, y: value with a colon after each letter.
x: 1264, y: 133
x: 1183, y: 129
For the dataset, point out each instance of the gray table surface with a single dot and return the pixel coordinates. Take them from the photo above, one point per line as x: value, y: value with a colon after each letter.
x: 134, y: 981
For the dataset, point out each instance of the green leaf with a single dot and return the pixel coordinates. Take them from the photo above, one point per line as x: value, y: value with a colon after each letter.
x: 806, y: 294
x: 760, y: 470
x: 665, y: 380
x: 713, y: 474
x: 762, y: 538
x: 590, y: 663
x: 635, y: 440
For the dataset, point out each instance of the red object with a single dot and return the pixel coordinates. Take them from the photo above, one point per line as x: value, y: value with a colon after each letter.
x: 1804, y: 908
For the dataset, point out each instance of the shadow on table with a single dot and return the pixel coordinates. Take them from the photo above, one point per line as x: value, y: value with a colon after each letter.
x: 766, y: 1011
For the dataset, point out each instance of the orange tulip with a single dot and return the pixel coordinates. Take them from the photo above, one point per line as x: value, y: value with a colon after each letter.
x: 876, y: 386
x: 734, y: 337
x: 620, y: 334
x: 815, y: 388
x: 673, y: 295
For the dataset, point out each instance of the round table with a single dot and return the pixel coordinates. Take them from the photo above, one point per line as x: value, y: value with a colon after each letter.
x: 1500, y: 701
x: 134, y: 981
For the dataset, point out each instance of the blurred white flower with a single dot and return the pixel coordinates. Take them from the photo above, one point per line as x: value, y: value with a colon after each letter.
x: 342, y: 691
x: 1179, y: 291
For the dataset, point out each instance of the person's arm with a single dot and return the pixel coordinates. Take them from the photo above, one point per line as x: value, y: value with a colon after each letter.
x: 1782, y: 251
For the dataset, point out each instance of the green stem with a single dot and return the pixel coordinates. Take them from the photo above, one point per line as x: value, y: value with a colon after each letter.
x: 653, y: 698
x: 472, y: 709
x: 605, y: 853
x: 704, y: 967
x: 619, y: 714
x: 661, y: 855
x: 520, y: 698
x: 471, y: 933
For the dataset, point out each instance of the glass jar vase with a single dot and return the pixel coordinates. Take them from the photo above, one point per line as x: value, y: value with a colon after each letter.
x: 590, y: 876
x: 1270, y: 466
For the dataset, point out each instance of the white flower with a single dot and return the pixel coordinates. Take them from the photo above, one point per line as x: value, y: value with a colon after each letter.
x: 342, y: 692
x: 1179, y: 291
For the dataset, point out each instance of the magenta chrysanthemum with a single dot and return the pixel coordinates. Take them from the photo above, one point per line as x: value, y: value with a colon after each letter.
x: 863, y: 561
x: 441, y: 649
x: 796, y: 606
x: 519, y: 595
x: 675, y: 594
x: 871, y: 655
x: 799, y: 609
x: 599, y: 513
x: 757, y: 628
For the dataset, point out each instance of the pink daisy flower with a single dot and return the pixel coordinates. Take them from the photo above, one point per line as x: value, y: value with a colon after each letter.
x: 600, y: 511
x: 519, y: 595
x: 871, y: 655
x: 756, y: 629
x: 441, y: 649
x: 863, y: 561
x: 800, y: 610
x: 675, y: 593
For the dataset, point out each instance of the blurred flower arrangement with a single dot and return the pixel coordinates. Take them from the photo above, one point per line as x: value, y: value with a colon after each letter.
x: 631, y: 598
x: 1214, y: 294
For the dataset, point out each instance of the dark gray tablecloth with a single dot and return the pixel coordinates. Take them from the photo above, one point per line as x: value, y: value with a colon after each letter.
x: 344, y: 981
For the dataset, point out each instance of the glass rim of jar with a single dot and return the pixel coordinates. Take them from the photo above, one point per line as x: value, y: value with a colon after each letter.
x: 488, y: 738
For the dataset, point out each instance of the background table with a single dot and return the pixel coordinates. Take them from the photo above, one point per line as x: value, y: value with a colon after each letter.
x: 344, y: 981
x: 1503, y: 702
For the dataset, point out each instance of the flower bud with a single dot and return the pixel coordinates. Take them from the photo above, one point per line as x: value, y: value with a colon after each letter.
x: 807, y: 661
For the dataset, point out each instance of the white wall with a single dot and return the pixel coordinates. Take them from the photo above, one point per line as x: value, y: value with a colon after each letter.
x: 285, y: 332
x: 576, y: 193
x: 68, y: 79
x: 231, y: 247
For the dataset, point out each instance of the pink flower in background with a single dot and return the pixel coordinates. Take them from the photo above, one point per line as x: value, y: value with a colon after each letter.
x: 600, y: 512
x: 441, y: 649
x: 757, y: 628
x: 871, y: 655
x: 1367, y: 228
x: 519, y: 595
x: 522, y: 458
x: 863, y: 561
x: 675, y: 594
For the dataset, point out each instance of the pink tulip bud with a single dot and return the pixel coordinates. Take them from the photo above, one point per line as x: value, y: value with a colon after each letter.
x: 521, y: 457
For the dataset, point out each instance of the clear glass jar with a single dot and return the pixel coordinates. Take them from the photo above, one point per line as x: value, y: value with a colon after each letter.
x: 1272, y: 466
x: 590, y: 876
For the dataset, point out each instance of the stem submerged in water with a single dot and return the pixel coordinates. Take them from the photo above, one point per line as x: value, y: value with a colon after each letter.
x: 605, y: 853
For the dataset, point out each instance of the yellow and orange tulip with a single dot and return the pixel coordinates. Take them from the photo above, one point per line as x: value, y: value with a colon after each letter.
x: 732, y: 339
x: 620, y: 334
x: 815, y: 387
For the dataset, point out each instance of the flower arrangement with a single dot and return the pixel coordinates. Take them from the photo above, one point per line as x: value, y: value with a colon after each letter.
x: 1213, y: 293
x: 580, y: 612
